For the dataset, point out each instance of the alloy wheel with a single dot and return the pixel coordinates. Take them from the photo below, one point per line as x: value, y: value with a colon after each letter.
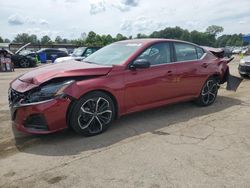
x: 24, y: 63
x: 94, y: 114
x: 209, y: 92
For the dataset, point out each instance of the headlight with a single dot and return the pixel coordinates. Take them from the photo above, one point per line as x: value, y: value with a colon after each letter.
x: 47, y: 92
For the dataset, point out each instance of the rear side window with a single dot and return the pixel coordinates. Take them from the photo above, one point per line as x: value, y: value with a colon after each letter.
x: 200, y: 52
x: 185, y: 52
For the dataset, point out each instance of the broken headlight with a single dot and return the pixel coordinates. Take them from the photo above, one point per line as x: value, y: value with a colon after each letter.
x: 46, y: 92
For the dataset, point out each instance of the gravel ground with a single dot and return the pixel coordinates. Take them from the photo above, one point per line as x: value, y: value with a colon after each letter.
x: 180, y: 145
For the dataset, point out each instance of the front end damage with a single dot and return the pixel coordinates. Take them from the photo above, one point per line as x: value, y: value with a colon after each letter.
x: 40, y: 110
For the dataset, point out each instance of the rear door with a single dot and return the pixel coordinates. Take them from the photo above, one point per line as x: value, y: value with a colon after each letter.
x: 189, y: 62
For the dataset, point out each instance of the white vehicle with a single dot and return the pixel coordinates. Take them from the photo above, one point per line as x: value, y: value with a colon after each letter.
x: 236, y: 50
x: 78, y: 54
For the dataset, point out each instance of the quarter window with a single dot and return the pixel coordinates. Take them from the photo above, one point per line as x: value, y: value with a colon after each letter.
x: 185, y: 52
x: 157, y: 54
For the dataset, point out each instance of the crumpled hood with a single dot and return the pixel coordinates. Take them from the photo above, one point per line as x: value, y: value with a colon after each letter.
x: 68, y: 69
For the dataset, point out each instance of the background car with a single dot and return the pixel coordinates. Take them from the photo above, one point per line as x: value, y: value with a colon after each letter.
x: 50, y: 52
x: 78, y: 54
x: 24, y: 59
x: 244, y: 66
x: 237, y: 50
x: 119, y: 79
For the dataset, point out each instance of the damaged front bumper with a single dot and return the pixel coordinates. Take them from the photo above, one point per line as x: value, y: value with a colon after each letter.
x: 42, y: 117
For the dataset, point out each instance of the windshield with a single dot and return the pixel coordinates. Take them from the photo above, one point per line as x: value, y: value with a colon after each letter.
x: 114, y: 54
x: 78, y: 52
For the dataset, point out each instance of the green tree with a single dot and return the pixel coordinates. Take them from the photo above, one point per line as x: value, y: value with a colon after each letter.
x: 140, y: 36
x: 214, y: 30
x: 185, y: 35
x: 26, y: 38
x: 202, y: 38
x: 22, y: 38
x: 1, y: 39
x: 58, y: 40
x: 46, y: 40
x: 33, y: 39
x: 108, y: 39
x: 91, y: 38
x: 119, y: 37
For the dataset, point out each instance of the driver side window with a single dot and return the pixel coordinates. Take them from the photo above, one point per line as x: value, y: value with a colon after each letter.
x: 157, y: 54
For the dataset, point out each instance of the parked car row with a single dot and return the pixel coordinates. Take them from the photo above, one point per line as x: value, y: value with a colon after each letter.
x: 26, y: 58
x: 238, y: 50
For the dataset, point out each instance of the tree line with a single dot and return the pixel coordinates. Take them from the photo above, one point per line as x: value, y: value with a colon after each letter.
x: 207, y: 38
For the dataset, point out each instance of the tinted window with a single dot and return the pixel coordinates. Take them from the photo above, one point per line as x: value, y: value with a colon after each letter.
x: 185, y: 52
x: 157, y: 54
x: 88, y: 52
x: 200, y: 52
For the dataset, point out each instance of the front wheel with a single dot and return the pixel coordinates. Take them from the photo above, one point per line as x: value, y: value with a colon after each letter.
x: 92, y: 114
x: 24, y: 63
x: 208, y: 93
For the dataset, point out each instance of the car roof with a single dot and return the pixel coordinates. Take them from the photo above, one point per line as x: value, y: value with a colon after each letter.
x: 146, y: 41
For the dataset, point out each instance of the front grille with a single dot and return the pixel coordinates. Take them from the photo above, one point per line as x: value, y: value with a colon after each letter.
x: 14, y: 96
x: 247, y: 62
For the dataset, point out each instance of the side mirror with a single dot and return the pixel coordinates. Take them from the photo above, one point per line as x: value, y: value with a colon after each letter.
x: 140, y: 64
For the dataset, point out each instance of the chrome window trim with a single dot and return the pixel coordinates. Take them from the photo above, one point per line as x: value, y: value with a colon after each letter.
x: 175, y: 62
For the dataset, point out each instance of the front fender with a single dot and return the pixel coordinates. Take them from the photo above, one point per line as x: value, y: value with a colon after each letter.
x: 111, y: 86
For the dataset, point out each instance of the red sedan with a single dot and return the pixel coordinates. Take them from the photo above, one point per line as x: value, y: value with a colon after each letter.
x: 121, y: 78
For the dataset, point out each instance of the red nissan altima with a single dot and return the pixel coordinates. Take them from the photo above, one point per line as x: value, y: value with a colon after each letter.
x: 121, y: 78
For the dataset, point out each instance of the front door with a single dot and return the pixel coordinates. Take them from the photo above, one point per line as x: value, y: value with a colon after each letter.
x: 147, y: 86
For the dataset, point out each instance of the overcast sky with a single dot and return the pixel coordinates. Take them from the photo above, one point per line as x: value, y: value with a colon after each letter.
x: 70, y: 18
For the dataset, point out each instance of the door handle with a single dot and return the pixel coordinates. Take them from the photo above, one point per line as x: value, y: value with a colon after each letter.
x: 205, y: 65
x: 169, y: 73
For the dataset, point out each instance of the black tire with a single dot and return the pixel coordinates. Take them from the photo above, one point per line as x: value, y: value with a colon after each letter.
x: 208, y: 92
x: 24, y: 63
x: 92, y: 114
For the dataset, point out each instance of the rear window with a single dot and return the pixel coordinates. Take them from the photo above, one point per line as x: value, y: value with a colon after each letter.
x: 185, y: 52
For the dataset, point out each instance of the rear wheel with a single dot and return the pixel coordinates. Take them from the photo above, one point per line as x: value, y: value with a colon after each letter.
x: 92, y: 114
x: 208, y: 93
x: 24, y: 63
